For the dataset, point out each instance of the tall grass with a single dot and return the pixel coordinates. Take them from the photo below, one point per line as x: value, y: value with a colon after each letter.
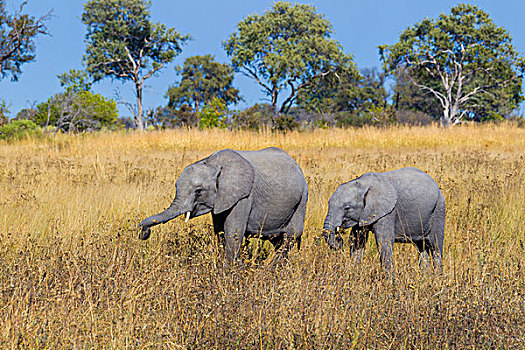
x: 74, y: 275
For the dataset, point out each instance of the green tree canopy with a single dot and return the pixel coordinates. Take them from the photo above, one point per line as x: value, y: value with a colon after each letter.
x: 4, y: 111
x: 17, y: 39
x: 75, y: 80
x: 350, y: 97
x: 213, y: 115
x: 203, y: 79
x: 283, y: 50
x: 76, y: 112
x: 123, y: 43
x: 459, y: 58
x: 408, y: 97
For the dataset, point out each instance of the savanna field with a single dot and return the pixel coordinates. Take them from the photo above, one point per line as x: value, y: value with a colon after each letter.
x: 73, y: 273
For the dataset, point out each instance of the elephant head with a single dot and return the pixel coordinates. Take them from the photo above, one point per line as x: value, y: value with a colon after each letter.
x: 361, y: 202
x: 215, y: 184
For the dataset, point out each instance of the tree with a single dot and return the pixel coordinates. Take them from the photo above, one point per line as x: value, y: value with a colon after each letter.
x: 457, y: 58
x: 168, y: 117
x: 203, y: 79
x: 4, y: 111
x: 75, y: 80
x: 330, y: 93
x: 17, y: 39
x: 75, y: 110
x: 349, y: 96
x: 409, y: 97
x: 255, y: 117
x: 284, y: 50
x: 213, y: 115
x: 123, y: 43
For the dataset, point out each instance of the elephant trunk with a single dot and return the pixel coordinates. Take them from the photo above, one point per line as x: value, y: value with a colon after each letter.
x: 172, y: 212
x: 330, y: 224
x: 330, y: 233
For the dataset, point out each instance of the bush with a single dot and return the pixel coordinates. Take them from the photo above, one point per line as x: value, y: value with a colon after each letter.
x: 253, y: 118
x: 213, y: 115
x: 4, y: 111
x: 409, y: 117
x: 350, y: 119
x: 19, y: 129
x: 76, y: 112
x: 169, y: 117
x: 285, y: 123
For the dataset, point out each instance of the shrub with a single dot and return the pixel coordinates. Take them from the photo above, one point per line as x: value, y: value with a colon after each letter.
x: 19, y: 129
x: 285, y: 123
x: 254, y: 118
x: 4, y: 111
x: 76, y: 112
x: 213, y: 115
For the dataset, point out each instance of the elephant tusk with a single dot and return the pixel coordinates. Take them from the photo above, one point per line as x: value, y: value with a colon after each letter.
x: 338, y: 228
x: 187, y: 217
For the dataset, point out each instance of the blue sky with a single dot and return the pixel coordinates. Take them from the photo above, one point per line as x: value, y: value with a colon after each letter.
x: 360, y: 26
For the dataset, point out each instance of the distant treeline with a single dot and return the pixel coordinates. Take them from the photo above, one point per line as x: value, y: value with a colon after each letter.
x: 457, y: 67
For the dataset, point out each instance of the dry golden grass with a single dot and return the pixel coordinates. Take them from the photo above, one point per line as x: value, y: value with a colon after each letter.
x: 74, y: 275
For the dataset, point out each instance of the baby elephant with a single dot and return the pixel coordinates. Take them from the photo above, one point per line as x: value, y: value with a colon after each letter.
x: 248, y: 193
x: 402, y: 205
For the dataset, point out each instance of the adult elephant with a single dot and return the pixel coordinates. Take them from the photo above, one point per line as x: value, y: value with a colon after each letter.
x: 403, y: 205
x: 258, y: 193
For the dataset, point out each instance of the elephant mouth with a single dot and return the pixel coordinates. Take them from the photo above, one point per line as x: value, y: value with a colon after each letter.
x: 348, y: 224
x: 198, y: 210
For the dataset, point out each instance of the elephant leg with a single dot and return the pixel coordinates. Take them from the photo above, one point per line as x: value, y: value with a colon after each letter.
x: 218, y: 228
x: 292, y: 232
x: 294, y: 229
x: 358, y: 239
x: 235, y: 227
x: 384, y: 233
x: 437, y: 235
x: 282, y: 243
x: 277, y: 241
x: 424, y: 256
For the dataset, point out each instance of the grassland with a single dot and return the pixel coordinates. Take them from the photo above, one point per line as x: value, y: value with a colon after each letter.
x: 74, y: 275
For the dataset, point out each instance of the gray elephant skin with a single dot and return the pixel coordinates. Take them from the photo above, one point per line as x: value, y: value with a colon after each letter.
x: 403, y: 205
x: 249, y: 193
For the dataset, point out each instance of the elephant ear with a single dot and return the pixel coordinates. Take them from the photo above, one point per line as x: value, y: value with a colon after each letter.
x: 234, y: 181
x: 380, y: 198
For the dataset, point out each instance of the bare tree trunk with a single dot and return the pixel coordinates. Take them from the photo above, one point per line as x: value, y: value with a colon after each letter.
x: 446, y: 118
x: 139, y: 121
x: 275, y: 109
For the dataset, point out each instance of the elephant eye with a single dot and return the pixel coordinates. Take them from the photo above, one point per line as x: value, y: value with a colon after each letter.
x: 198, y: 191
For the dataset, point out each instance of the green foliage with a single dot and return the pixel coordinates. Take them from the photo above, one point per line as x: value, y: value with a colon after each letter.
x: 286, y: 123
x: 75, y: 80
x: 76, y: 112
x: 213, y: 115
x: 203, y: 79
x: 463, y: 59
x: 4, y: 111
x: 253, y: 118
x: 17, y: 40
x: 123, y: 43
x: 348, y: 91
x: 18, y: 129
x: 409, y: 97
x: 168, y: 117
x: 380, y: 116
x: 284, y: 49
